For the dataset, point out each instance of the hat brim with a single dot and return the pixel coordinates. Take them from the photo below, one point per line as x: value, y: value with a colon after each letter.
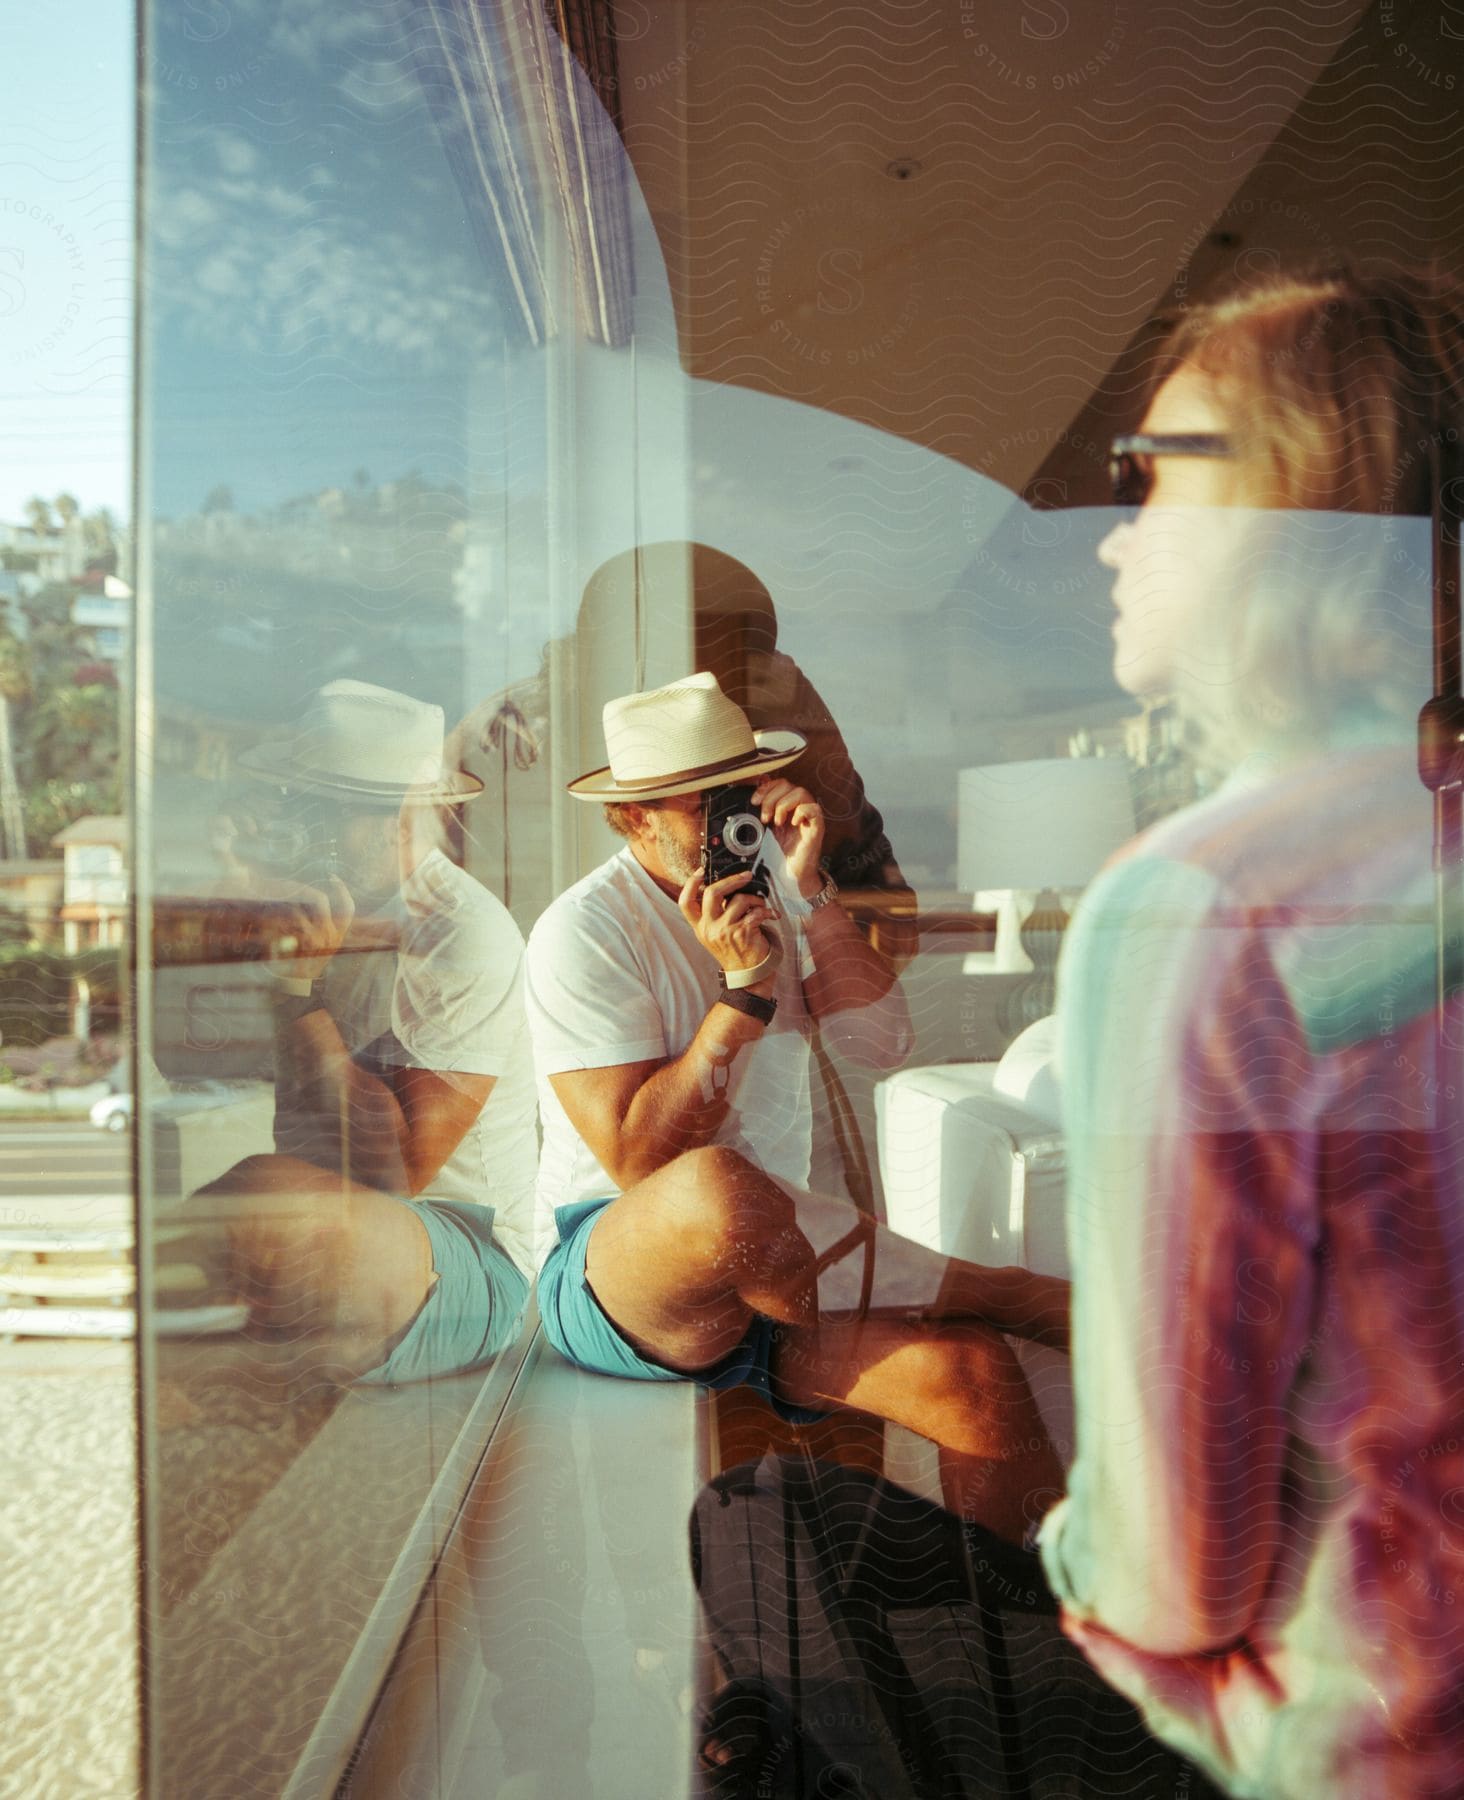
x: 600, y: 784
x: 272, y: 762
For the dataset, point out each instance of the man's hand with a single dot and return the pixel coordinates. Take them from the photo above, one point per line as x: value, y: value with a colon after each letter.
x: 728, y: 924
x: 302, y: 927
x: 796, y: 820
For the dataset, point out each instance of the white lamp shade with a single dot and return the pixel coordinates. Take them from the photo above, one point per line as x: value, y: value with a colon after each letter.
x: 1042, y: 824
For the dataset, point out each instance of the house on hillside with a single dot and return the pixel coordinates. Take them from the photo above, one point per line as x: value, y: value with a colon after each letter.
x: 103, y: 607
x: 94, y: 896
x: 31, y: 887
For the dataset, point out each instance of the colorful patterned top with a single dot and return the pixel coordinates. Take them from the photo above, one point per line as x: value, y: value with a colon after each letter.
x: 1263, y: 1539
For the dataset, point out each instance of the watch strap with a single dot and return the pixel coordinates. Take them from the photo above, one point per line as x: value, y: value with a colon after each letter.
x: 755, y: 1006
x: 291, y: 1004
x: 828, y: 893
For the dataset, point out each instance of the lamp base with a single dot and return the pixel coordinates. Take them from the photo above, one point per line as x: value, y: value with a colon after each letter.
x: 1008, y: 957
x: 1041, y: 935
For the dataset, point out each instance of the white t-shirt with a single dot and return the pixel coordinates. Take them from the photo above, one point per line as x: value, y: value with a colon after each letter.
x: 615, y: 975
x: 451, y: 1000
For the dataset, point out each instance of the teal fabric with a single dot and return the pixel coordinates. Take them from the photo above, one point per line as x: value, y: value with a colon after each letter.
x: 475, y: 1307
x: 576, y: 1325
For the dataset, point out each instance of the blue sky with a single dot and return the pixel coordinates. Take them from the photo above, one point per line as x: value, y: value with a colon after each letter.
x: 235, y: 325
x: 66, y: 254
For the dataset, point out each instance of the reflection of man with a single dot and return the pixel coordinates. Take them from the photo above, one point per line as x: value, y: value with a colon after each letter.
x: 736, y: 638
x: 670, y: 1021
x: 394, y: 1213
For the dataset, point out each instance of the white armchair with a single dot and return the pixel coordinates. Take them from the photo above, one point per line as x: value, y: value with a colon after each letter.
x: 971, y: 1156
x: 973, y: 1164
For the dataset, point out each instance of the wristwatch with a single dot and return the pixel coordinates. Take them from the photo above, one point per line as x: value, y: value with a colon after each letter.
x: 827, y: 893
x: 743, y: 1000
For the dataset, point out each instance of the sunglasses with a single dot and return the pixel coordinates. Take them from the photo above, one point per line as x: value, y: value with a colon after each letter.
x: 1131, y: 465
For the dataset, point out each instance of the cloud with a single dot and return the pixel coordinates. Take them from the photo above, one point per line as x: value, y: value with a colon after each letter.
x: 237, y: 156
x: 266, y: 267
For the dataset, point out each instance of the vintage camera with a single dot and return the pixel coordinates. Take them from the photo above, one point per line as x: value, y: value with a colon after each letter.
x: 733, y: 839
x: 292, y: 838
x: 311, y: 862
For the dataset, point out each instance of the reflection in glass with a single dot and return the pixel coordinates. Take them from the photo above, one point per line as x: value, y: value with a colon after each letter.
x: 490, y: 375
x: 867, y: 1643
x: 1258, y: 1038
x: 336, y: 382
x: 401, y: 1062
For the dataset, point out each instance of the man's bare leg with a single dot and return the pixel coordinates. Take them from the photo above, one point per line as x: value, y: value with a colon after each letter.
x: 316, y: 1256
x: 683, y: 1261
x: 958, y: 1384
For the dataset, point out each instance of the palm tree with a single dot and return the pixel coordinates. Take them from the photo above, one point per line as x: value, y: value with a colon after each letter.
x: 15, y: 685
x: 100, y: 528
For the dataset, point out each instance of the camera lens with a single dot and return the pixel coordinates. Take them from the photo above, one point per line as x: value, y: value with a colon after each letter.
x: 742, y: 834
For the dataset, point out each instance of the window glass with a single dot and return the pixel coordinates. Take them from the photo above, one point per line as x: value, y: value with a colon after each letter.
x: 347, y: 482
x: 504, y: 364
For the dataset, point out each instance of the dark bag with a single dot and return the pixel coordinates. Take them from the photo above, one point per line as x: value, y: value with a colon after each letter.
x: 874, y: 1645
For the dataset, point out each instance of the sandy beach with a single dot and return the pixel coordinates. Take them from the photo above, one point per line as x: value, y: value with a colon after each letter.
x: 68, y: 1547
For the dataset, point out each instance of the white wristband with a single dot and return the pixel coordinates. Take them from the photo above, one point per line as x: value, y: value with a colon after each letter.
x: 742, y: 978
x: 297, y: 986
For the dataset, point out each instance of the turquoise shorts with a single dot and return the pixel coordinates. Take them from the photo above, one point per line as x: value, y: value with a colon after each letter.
x: 577, y: 1326
x: 475, y: 1307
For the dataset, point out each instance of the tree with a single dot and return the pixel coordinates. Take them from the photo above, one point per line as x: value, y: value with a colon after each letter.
x: 38, y: 511
x: 53, y: 805
x: 73, y: 734
x: 99, y: 533
x: 16, y: 682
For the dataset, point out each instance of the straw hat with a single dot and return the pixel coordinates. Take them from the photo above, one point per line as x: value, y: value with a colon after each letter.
x: 679, y: 738
x: 368, y: 742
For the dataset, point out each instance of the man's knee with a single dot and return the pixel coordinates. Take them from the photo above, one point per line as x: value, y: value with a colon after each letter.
x: 270, y: 1173
x: 287, y: 1264
x: 728, y: 1203
x: 254, y: 1175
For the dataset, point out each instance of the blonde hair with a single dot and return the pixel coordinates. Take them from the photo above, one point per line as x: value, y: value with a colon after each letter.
x: 1335, y: 390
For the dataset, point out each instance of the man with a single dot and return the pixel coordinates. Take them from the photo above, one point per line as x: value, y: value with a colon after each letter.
x: 392, y: 1221
x: 670, y: 1021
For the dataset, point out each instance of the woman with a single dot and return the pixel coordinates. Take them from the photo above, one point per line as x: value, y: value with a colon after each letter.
x: 1263, y: 1539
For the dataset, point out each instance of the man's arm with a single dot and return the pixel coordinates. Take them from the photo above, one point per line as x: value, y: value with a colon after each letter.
x: 849, y: 978
x: 388, y: 1127
x: 853, y: 990
x: 396, y: 1127
x: 636, y: 1117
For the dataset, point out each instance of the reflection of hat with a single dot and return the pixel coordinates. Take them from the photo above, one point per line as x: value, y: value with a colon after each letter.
x: 370, y: 742
x: 677, y: 739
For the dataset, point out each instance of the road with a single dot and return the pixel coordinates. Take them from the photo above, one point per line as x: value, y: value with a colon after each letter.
x: 68, y: 1173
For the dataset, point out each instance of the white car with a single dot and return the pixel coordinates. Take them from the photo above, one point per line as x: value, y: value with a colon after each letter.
x: 113, y: 1112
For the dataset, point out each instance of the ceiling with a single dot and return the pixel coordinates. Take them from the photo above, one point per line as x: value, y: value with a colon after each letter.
x: 958, y: 221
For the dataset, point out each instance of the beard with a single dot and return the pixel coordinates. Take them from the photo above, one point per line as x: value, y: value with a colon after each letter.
x: 679, y: 862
